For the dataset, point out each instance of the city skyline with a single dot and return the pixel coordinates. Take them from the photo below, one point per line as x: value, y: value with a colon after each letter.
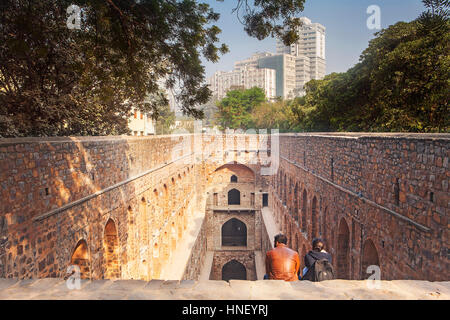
x: 345, y: 41
x: 283, y: 74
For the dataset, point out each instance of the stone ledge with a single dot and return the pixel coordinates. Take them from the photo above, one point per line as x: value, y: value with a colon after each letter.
x: 372, y: 135
x: 54, y: 289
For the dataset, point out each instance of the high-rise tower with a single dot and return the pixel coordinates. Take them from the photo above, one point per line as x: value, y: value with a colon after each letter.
x: 310, y: 52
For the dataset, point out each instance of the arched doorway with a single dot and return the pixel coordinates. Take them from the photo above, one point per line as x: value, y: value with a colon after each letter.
x: 111, y: 246
x: 343, y: 251
x: 234, y: 197
x: 296, y: 201
x: 234, y: 233
x: 314, y: 219
x: 234, y: 270
x: 80, y: 257
x: 304, y: 208
x: 324, y: 226
x: 369, y: 258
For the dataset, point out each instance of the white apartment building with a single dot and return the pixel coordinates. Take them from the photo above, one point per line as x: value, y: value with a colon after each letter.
x: 141, y: 124
x: 221, y: 82
x: 302, y: 74
x: 311, y: 41
x: 251, y: 62
x: 293, y: 66
x: 284, y: 65
x: 261, y: 78
x: 245, y: 74
x: 311, y: 44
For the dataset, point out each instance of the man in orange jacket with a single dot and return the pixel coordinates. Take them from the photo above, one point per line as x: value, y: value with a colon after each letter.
x: 282, y: 263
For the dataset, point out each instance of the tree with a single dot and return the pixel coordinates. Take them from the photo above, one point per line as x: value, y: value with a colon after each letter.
x: 210, y: 110
x: 400, y: 84
x: 260, y: 18
x: 165, y: 121
x: 234, y: 111
x: 56, y: 81
x: 279, y: 114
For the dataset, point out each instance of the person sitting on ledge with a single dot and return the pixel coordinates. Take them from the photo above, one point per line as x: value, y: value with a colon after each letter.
x: 282, y: 263
x: 311, y: 259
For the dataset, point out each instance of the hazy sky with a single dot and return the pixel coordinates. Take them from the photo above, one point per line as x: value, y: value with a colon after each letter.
x: 347, y: 34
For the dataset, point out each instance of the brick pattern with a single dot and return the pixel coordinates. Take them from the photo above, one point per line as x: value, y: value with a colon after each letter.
x: 354, y: 181
x: 389, y: 191
x: 38, y: 176
x: 247, y: 258
x: 196, y: 259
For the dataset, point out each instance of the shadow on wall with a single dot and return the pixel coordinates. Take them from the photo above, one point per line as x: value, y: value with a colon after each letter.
x: 97, y: 225
x: 303, y: 218
x: 85, y: 203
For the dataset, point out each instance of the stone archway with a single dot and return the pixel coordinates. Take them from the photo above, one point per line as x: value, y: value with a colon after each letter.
x: 234, y: 270
x: 304, y: 209
x: 325, y: 227
x: 343, y: 251
x: 111, y: 247
x: 296, y: 201
x: 314, y: 219
x: 80, y: 258
x: 369, y: 258
x: 234, y: 233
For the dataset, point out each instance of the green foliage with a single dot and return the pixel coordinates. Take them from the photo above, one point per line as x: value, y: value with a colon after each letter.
x: 401, y: 83
x: 259, y: 19
x: 165, y: 121
x: 279, y: 114
x: 56, y: 81
x: 234, y: 111
x: 210, y: 110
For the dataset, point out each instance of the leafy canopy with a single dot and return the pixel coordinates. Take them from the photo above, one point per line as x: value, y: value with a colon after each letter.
x: 234, y: 111
x: 400, y: 84
x: 56, y: 81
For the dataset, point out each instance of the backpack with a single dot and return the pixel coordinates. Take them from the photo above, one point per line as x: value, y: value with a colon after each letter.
x: 321, y: 270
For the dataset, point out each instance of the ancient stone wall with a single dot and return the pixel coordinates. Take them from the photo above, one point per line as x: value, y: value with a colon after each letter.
x: 60, y: 193
x: 375, y: 199
x: 197, y: 256
x: 119, y: 205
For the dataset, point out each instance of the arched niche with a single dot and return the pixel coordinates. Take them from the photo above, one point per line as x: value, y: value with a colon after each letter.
x: 369, y: 258
x: 234, y: 197
x: 80, y: 258
x: 314, y: 219
x: 111, y: 248
x: 304, y: 210
x: 343, y: 250
x: 234, y: 270
x: 234, y: 233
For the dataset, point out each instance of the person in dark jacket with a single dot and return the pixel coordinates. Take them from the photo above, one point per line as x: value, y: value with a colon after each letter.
x: 318, y: 253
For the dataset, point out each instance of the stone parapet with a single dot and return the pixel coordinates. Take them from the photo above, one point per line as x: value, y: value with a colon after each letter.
x: 56, y: 289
